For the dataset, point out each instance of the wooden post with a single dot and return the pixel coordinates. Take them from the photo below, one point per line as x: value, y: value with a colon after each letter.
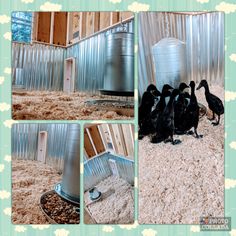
x: 91, y: 141
x: 69, y: 33
x: 52, y: 27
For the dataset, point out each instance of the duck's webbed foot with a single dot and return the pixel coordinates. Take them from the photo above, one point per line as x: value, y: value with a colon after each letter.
x: 176, y: 141
x: 198, y: 135
x: 216, y: 123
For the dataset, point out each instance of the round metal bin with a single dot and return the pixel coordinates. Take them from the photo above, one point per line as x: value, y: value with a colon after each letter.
x: 169, y: 56
x: 70, y: 186
x: 119, y: 67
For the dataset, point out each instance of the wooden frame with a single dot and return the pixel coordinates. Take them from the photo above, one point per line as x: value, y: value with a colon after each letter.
x: 42, y: 146
x: 69, y: 75
x: 89, y: 24
x: 97, y: 137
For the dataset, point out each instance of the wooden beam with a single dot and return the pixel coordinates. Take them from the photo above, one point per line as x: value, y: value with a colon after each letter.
x: 102, y: 134
x: 88, y: 146
x: 91, y: 141
x: 52, y: 27
x: 69, y: 34
x: 89, y: 23
x: 129, y: 142
x: 114, y: 17
x: 35, y: 26
x: 118, y: 139
x: 97, y: 139
x: 83, y: 16
x: 86, y: 154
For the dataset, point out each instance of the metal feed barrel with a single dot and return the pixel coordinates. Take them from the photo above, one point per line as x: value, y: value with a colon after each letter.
x: 169, y: 56
x: 119, y: 67
x: 71, y: 174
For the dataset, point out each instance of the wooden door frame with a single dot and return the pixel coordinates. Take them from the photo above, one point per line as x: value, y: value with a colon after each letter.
x: 72, y: 83
x: 45, y: 153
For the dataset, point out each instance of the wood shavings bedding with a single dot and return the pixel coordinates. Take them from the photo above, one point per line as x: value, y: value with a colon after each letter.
x: 117, y: 207
x: 179, y: 184
x: 30, y: 179
x: 45, y: 105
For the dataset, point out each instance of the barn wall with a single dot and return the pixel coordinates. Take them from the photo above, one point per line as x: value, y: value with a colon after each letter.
x: 204, y: 38
x: 25, y: 142
x: 40, y: 67
x: 90, y: 60
x: 97, y: 169
x: 37, y: 66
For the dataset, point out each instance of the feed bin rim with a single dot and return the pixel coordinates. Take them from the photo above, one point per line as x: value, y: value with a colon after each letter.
x: 72, y: 200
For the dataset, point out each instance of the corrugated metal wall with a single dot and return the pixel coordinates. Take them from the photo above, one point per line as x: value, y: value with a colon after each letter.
x: 97, y: 169
x: 40, y: 67
x: 37, y: 66
x: 25, y: 142
x: 90, y: 60
x: 204, y: 38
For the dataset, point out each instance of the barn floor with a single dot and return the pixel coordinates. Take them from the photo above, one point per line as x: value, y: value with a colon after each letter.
x: 45, y: 105
x: 179, y: 184
x: 117, y: 204
x: 30, y: 179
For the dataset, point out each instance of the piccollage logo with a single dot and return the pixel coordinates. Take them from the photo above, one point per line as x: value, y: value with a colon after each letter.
x: 215, y: 223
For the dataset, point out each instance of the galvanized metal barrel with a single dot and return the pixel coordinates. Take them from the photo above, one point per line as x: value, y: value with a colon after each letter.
x: 169, y: 56
x: 119, y: 67
x: 70, y: 185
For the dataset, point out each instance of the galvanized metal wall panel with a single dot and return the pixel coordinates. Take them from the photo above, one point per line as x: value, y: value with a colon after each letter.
x: 25, y: 142
x: 204, y: 38
x: 98, y: 168
x: 41, y: 66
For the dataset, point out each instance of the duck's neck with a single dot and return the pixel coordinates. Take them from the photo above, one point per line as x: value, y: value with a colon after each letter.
x: 192, y: 91
x: 171, y: 101
x: 207, y: 91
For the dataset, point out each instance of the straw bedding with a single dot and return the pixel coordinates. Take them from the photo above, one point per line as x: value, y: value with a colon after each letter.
x: 30, y: 179
x: 178, y: 184
x: 45, y: 105
x: 117, y: 204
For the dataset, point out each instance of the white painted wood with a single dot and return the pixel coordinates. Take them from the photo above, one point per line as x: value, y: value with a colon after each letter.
x: 69, y: 75
x: 42, y: 146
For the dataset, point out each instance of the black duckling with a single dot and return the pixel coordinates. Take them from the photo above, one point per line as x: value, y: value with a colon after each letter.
x: 160, y: 106
x: 155, y: 92
x: 214, y: 103
x: 191, y: 116
x: 180, y: 105
x: 165, y: 92
x: 144, y: 113
x: 165, y: 123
